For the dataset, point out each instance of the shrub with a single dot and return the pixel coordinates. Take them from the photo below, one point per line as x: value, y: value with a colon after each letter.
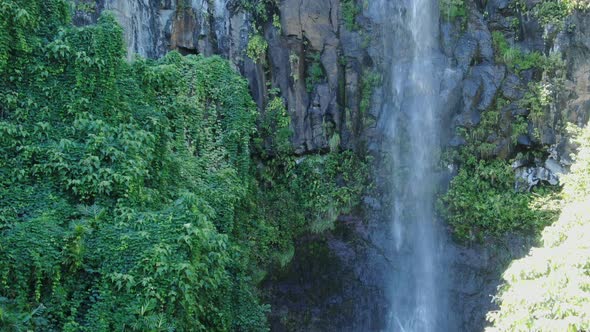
x: 451, y: 10
x: 314, y: 71
x: 350, y: 10
x: 257, y: 47
x: 482, y: 201
x: 513, y: 57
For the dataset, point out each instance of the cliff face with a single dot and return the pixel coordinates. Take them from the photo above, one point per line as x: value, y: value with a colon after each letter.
x: 328, y: 68
x: 153, y: 27
x: 311, y: 34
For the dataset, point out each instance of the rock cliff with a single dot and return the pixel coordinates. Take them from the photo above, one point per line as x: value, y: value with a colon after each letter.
x: 310, y: 34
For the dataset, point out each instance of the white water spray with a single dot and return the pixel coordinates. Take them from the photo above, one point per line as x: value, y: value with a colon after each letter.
x: 419, y: 283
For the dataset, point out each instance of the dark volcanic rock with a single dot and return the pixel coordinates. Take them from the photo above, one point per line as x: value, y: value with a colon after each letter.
x: 512, y: 87
x: 333, y: 284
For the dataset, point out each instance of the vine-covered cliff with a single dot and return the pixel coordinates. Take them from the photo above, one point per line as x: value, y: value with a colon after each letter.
x: 149, y: 189
x: 147, y: 194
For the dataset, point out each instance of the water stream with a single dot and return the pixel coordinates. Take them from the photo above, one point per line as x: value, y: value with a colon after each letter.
x: 419, y: 282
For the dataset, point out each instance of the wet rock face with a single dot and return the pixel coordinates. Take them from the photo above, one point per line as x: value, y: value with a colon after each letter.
x: 331, y: 285
x: 143, y: 33
x: 478, y: 270
x: 575, y: 44
x: 313, y: 34
x: 483, y: 81
x: 311, y: 27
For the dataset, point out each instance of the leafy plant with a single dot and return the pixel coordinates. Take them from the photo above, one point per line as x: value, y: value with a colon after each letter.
x: 451, y: 10
x: 274, y: 130
x: 130, y: 196
x: 350, y: 10
x: 262, y: 10
x: 369, y: 82
x: 314, y: 71
x: 513, y: 57
x: 519, y: 128
x: 276, y: 22
x: 481, y: 201
x: 551, y: 12
x: 257, y: 47
x: 294, y: 64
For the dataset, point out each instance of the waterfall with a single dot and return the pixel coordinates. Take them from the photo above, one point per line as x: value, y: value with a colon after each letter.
x: 414, y: 63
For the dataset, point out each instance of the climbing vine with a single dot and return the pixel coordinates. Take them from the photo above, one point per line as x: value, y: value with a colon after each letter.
x: 130, y: 197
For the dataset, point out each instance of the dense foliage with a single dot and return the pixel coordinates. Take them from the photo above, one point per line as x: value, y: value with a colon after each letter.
x: 129, y: 195
x: 549, y: 290
x: 483, y: 199
x: 261, y: 10
x: 350, y: 10
x: 451, y: 10
x: 512, y: 56
x: 551, y: 12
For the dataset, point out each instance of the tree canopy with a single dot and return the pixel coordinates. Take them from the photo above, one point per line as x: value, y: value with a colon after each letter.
x: 549, y: 290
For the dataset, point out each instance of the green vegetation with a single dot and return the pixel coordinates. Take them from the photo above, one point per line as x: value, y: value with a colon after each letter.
x: 536, y: 99
x: 276, y: 22
x: 129, y: 195
x: 369, y: 82
x: 86, y: 7
x: 451, y: 10
x: 582, y: 5
x: 513, y: 57
x: 294, y: 66
x: 520, y: 127
x: 310, y: 192
x: 350, y: 10
x: 257, y: 47
x: 25, y: 25
x: 261, y: 10
x: 305, y: 192
x: 120, y: 190
x: 314, y: 72
x: 366, y: 42
x: 482, y: 202
x: 552, y: 12
x: 274, y: 132
x: 542, y: 94
x: 548, y: 289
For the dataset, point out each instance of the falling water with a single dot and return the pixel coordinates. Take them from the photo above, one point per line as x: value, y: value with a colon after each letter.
x: 419, y: 292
